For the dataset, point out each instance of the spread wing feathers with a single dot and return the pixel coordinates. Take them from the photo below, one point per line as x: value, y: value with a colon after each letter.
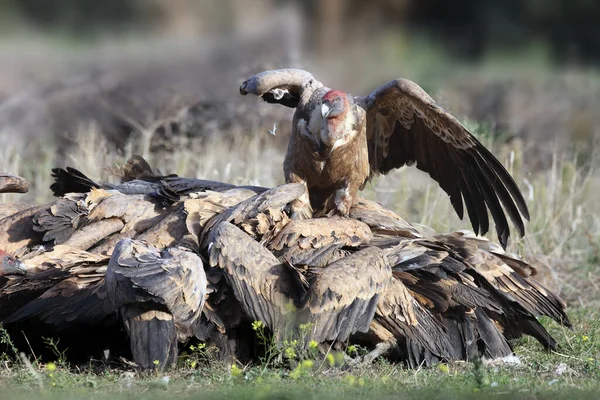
x: 10, y: 183
x: 473, y: 333
x: 337, y: 306
x: 71, y: 180
x: 90, y: 235
x: 140, y: 273
x: 169, y: 231
x: 513, y: 284
x: 183, y: 186
x: 59, y: 221
x: 60, y: 296
x: 19, y: 290
x: 201, y: 207
x: 282, y: 86
x: 383, y: 221
x: 271, y: 204
x: 316, y: 242
x: 442, y: 279
x: 405, y: 125
x: 260, y: 282
x: 439, y: 280
x: 61, y: 256
x: 83, y: 220
x: 437, y: 277
x: 420, y: 338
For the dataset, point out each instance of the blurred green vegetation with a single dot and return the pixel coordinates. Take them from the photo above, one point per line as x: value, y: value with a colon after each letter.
x: 571, y: 373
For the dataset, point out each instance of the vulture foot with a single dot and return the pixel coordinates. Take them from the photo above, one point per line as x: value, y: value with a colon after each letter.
x: 300, y: 209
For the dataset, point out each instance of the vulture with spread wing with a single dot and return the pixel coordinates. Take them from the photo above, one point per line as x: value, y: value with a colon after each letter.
x: 340, y: 141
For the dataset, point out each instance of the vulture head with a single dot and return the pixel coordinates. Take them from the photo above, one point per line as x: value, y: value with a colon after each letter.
x: 10, y: 265
x: 337, y: 119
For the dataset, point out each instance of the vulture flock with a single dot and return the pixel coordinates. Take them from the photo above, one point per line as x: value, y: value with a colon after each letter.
x: 142, y: 268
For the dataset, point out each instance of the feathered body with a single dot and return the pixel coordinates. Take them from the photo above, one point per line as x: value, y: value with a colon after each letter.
x: 340, y: 141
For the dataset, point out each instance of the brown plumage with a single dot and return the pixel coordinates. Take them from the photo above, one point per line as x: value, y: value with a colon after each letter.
x: 17, y: 231
x: 260, y: 215
x: 137, y: 177
x: 272, y: 291
x: 318, y: 242
x: 159, y: 296
x: 372, y: 278
x: 339, y: 142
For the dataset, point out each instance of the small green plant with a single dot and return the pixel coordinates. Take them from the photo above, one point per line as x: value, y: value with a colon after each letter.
x: 6, y: 340
x: 61, y: 356
x: 290, y: 352
x: 194, y: 356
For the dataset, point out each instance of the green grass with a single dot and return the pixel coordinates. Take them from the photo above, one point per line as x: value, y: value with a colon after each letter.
x: 571, y: 372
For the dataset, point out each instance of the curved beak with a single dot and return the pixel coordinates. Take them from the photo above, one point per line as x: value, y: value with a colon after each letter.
x: 243, y: 88
x: 325, y: 110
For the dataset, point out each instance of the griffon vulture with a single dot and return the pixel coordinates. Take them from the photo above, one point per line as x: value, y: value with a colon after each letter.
x: 340, y: 141
x: 159, y: 296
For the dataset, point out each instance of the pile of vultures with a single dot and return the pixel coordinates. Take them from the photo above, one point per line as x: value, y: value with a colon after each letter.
x: 142, y: 269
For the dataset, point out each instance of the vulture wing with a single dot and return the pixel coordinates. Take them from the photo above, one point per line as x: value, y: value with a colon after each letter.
x: 281, y: 86
x: 159, y: 294
x: 317, y: 242
x: 405, y: 126
x: 342, y: 297
x: 383, y: 221
x: 419, y: 336
x: 139, y: 272
x: 259, y: 213
x: 260, y: 282
x: 18, y: 231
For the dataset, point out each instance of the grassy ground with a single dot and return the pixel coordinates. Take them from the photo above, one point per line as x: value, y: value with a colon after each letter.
x: 572, y: 372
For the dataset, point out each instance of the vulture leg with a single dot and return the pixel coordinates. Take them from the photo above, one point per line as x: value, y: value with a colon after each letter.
x: 342, y: 202
x: 300, y: 208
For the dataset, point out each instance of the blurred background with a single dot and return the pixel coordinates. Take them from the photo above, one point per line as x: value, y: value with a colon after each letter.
x: 87, y: 83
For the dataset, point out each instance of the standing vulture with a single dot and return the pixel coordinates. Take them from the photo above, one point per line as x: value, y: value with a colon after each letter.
x: 340, y: 141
